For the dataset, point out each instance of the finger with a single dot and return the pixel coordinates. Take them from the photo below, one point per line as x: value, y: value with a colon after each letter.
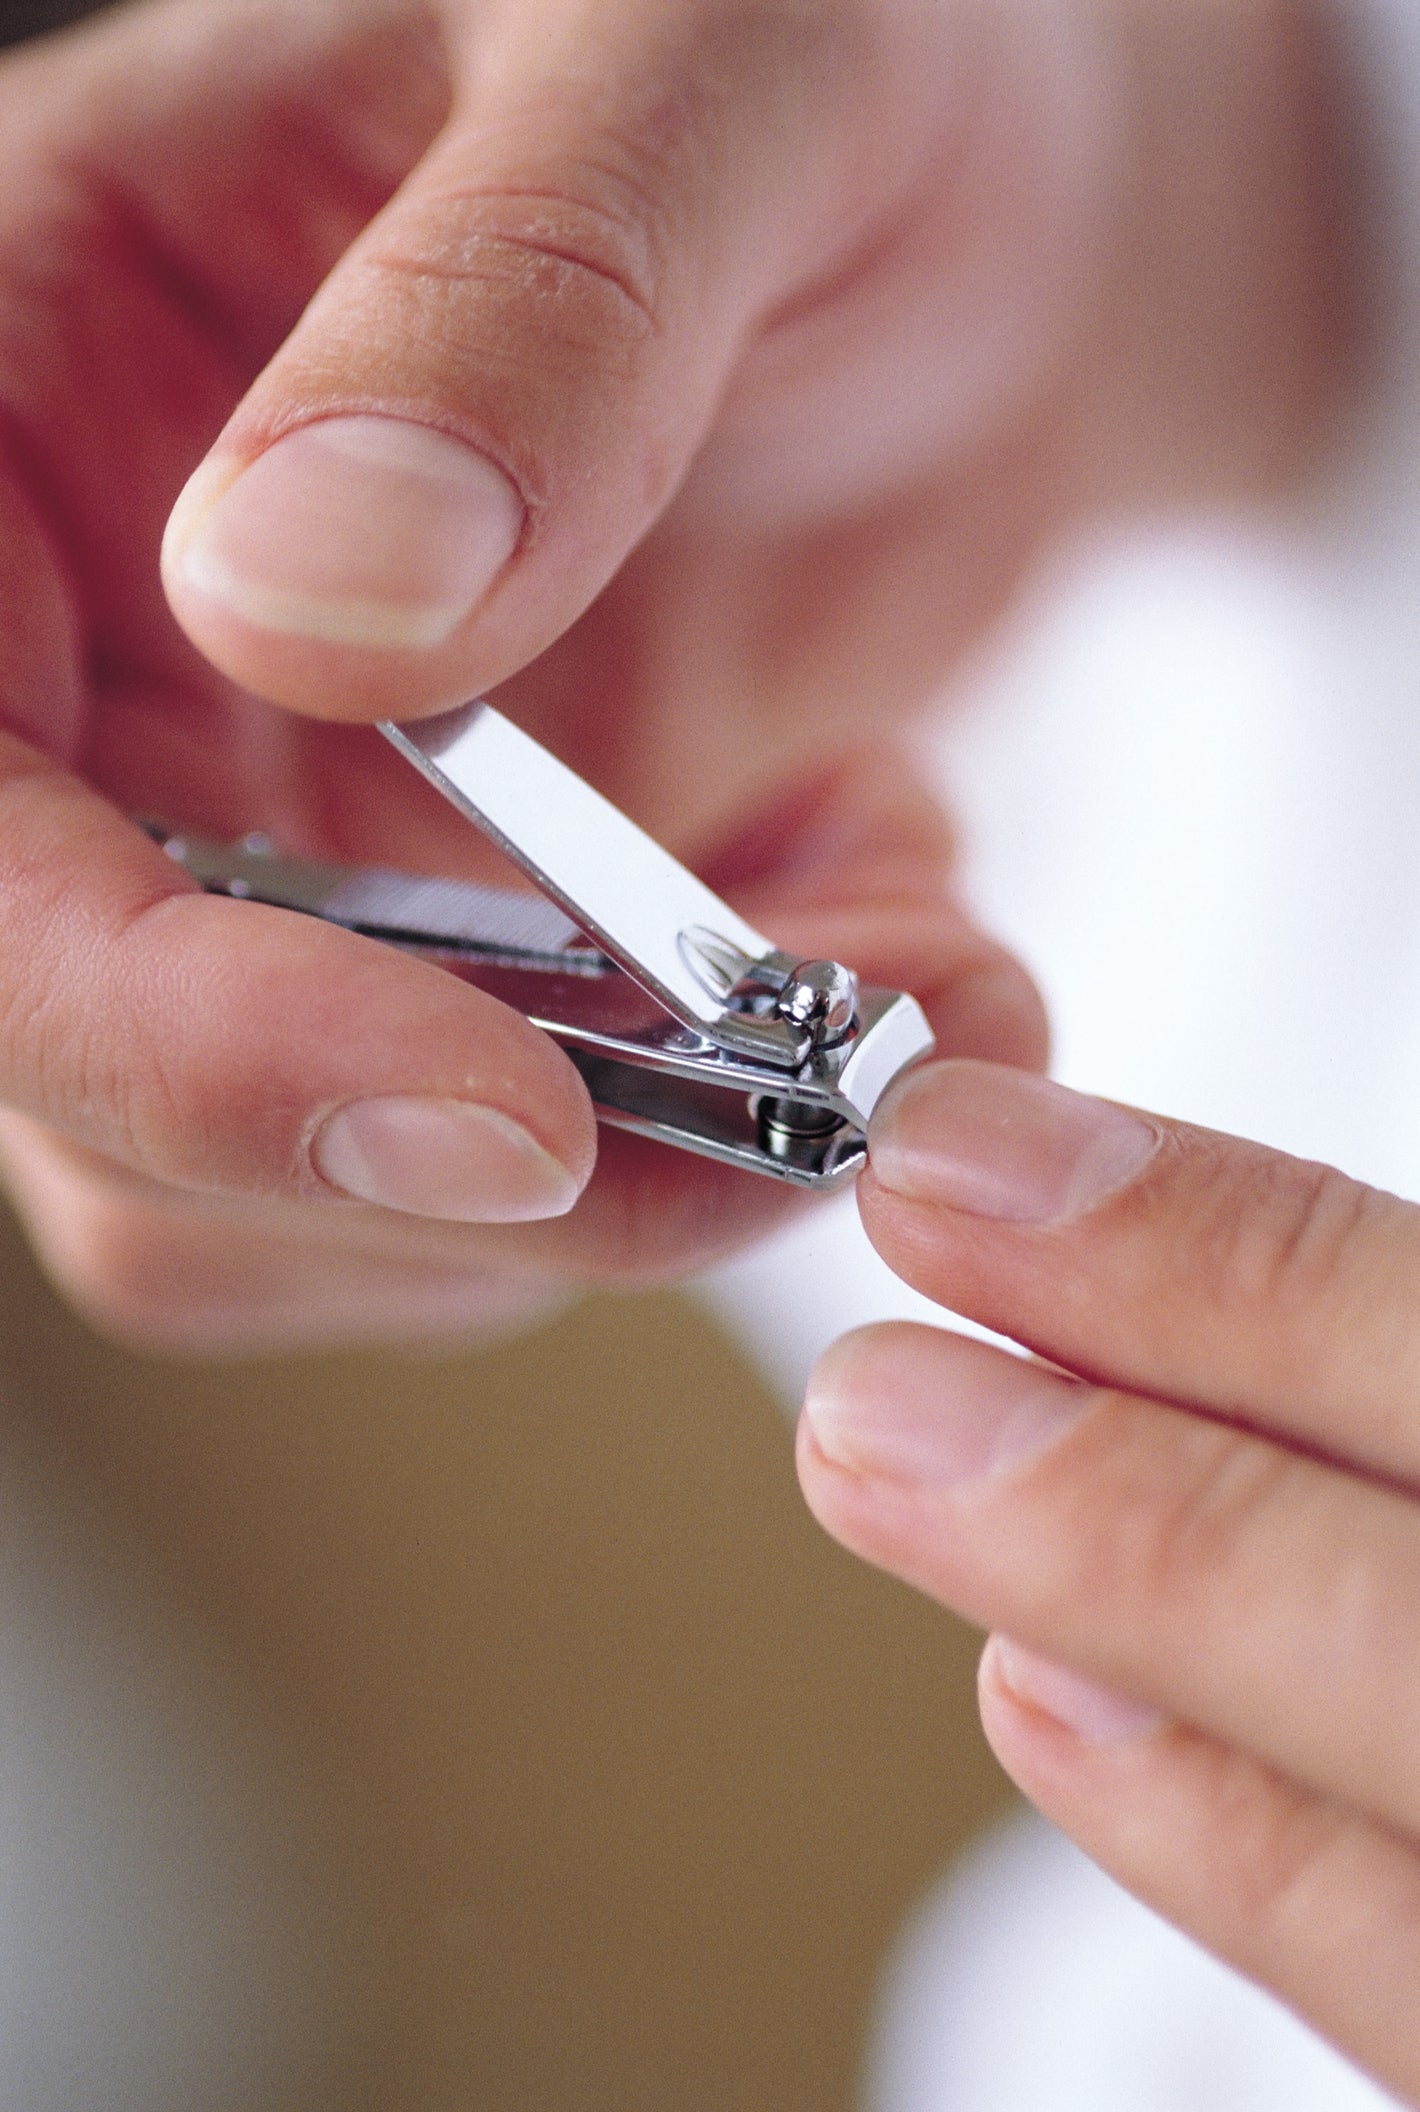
x: 502, y: 384
x: 866, y: 828
x: 648, y: 1211
x: 1263, y: 1596
x: 169, y: 1271
x: 1158, y: 1256
x: 1295, y: 1890
x: 178, y: 178
x: 172, y: 1269
x: 155, y: 1265
x: 220, y: 1044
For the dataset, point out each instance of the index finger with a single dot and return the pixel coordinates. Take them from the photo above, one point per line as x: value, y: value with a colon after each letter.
x: 1157, y: 1256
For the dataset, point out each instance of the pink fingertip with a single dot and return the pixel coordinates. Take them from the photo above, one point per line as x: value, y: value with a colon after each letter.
x: 1096, y: 1715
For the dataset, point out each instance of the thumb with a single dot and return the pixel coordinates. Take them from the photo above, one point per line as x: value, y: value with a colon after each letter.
x: 502, y: 383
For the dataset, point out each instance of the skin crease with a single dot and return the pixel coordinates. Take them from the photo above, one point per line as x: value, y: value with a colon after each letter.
x: 693, y: 279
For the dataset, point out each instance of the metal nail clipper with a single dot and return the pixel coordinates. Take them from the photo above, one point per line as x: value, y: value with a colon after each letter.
x: 685, y: 1022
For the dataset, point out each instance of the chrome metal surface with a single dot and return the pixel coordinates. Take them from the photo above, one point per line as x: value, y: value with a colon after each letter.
x: 492, y: 921
x: 822, y: 998
x: 640, y: 905
x: 685, y: 1022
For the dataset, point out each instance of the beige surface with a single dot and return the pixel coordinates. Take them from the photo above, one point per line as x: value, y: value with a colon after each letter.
x: 618, y: 1775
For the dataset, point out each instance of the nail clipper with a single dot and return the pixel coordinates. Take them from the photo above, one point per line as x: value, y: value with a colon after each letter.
x: 685, y: 1022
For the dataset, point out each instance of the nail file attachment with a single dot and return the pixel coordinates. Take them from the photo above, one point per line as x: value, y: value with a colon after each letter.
x: 687, y: 1024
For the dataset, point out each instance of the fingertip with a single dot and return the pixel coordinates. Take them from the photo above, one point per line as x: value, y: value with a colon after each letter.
x: 446, y: 1158
x: 338, y: 570
x: 232, y: 1036
x: 830, y: 1473
x: 994, y: 1142
x: 1034, y: 1708
x: 847, y: 1362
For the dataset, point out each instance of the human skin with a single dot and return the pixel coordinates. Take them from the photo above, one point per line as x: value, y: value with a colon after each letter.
x: 1196, y: 1536
x: 746, y: 354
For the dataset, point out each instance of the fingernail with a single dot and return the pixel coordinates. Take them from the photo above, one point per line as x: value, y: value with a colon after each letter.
x: 1095, y: 1714
x: 1003, y: 1144
x: 359, y: 531
x: 442, y: 1158
x: 917, y: 1406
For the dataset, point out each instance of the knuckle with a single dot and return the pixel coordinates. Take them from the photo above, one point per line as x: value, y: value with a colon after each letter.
x: 1294, y: 1238
x: 531, y: 314
x: 73, y: 1045
x: 1287, y: 1845
x: 594, y: 265
x: 1222, y: 1499
x: 1288, y: 1253
x: 63, y: 1060
x: 1207, y: 1523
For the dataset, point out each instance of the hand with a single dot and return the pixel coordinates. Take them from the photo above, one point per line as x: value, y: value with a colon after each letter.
x: 1197, y: 1540
x: 706, y: 376
x: 157, y: 1257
